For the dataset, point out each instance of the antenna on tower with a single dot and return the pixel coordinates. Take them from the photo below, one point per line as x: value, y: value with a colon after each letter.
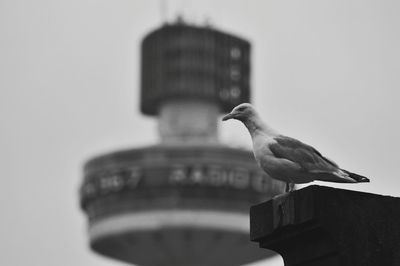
x: 163, y: 10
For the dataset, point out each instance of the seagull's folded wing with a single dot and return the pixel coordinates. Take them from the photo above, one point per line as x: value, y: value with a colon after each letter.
x: 313, y: 164
x: 302, y: 154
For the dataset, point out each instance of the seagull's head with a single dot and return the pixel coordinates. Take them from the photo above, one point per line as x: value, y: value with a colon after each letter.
x: 241, y: 112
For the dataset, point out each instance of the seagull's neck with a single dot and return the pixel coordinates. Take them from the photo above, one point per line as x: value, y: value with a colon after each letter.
x: 257, y: 127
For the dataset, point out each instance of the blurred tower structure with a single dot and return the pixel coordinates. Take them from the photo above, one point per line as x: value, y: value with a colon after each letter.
x: 184, y: 201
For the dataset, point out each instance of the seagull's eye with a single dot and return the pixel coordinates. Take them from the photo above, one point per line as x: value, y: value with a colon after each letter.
x: 241, y: 109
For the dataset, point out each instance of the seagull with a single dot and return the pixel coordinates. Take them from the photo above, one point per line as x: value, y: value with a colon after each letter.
x: 285, y: 158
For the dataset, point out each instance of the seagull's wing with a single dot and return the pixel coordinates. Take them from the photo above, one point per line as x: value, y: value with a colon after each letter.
x: 309, y: 159
x: 302, y: 154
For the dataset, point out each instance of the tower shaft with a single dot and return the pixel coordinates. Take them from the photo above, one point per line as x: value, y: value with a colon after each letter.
x: 188, y: 122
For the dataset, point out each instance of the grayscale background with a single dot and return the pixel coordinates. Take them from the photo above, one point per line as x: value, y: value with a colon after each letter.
x: 325, y: 72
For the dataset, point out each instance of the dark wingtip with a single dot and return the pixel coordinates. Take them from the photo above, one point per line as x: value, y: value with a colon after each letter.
x: 364, y: 179
x: 358, y: 178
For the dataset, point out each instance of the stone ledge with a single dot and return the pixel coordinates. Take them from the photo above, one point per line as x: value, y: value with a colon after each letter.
x: 326, y: 226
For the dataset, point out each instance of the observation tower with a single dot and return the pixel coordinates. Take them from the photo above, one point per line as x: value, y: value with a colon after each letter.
x: 184, y: 201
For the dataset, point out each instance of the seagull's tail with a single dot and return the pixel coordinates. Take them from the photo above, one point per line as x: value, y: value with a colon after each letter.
x: 356, y: 177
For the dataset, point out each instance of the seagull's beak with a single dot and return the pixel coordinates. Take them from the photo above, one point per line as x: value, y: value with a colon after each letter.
x: 228, y: 116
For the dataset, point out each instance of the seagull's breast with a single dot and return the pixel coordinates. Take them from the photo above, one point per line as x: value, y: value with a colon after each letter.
x: 261, y: 150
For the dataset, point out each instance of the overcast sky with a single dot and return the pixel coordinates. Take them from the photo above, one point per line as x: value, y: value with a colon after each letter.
x: 325, y: 72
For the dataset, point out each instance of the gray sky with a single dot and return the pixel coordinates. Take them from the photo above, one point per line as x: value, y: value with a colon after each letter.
x: 326, y: 72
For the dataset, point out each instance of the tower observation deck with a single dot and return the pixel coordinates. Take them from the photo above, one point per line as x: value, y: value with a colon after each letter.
x: 184, y: 201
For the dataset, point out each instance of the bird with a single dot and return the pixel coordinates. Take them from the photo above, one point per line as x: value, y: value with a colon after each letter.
x: 288, y: 159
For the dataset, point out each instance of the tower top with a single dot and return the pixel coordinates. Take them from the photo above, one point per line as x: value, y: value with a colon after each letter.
x: 181, y: 61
